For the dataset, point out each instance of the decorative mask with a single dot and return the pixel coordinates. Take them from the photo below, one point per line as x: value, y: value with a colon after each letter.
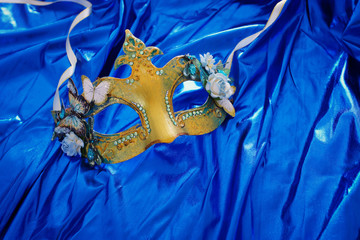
x: 149, y: 91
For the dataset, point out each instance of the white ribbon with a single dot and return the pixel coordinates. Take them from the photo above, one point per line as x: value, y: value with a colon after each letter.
x: 70, y: 53
x: 246, y: 41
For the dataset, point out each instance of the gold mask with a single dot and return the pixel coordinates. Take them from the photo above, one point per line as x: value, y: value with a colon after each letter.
x: 149, y: 91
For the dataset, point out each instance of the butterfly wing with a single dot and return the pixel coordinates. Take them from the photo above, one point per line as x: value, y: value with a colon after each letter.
x: 78, y: 104
x: 72, y: 88
x: 73, y: 123
x: 88, y: 89
x: 101, y: 91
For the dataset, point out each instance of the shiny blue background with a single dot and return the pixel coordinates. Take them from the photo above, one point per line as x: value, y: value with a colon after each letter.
x: 286, y: 167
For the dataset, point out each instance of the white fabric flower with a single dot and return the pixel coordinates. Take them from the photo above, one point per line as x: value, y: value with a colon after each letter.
x: 61, y: 130
x: 219, y: 86
x: 220, y: 89
x: 72, y: 144
x: 208, y: 62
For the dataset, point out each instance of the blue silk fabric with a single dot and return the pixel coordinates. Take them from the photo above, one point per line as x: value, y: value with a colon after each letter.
x: 285, y: 167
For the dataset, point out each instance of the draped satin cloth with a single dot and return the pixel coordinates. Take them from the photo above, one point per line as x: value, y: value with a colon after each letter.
x: 285, y: 167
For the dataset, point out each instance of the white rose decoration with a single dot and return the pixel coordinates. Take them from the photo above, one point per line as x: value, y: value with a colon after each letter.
x: 72, y: 144
x: 220, y: 89
x: 208, y: 62
x: 219, y: 86
x: 62, y: 130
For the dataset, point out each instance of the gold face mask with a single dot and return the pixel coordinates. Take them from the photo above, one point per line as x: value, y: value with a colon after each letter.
x: 149, y: 91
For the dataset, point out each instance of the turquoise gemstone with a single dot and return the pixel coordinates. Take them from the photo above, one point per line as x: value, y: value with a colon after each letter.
x: 90, y: 154
x: 128, y: 137
x: 192, y: 69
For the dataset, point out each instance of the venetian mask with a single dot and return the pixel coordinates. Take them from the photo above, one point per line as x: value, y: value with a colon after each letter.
x: 149, y: 91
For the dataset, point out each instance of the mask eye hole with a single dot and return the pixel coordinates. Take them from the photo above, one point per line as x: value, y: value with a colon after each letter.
x: 115, y: 118
x: 124, y: 71
x: 188, y: 95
